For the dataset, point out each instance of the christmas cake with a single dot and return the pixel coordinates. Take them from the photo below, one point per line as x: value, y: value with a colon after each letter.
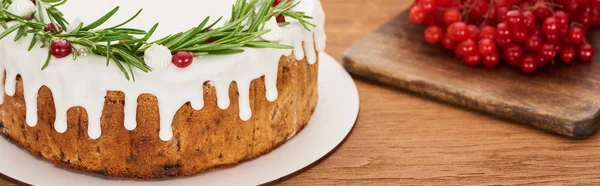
x: 154, y: 89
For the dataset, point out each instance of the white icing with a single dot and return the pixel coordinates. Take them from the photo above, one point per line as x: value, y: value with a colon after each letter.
x: 74, y: 24
x: 21, y: 8
x: 85, y: 82
x: 157, y: 57
x: 275, y: 31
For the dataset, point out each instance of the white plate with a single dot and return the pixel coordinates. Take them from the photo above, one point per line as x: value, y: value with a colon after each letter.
x: 333, y: 119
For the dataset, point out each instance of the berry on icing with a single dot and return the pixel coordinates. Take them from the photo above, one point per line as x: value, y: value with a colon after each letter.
x: 21, y: 8
x: 157, y: 57
x: 275, y: 33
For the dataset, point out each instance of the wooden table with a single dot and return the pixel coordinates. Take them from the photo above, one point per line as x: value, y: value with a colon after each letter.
x: 401, y: 138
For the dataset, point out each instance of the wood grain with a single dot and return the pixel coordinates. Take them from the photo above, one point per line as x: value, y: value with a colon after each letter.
x: 404, y: 139
x: 564, y: 99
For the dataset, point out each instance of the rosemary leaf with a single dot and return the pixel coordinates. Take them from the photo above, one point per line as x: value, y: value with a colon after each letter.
x: 47, y: 60
x: 102, y: 20
x: 9, y: 30
x: 129, y: 20
x: 32, y: 43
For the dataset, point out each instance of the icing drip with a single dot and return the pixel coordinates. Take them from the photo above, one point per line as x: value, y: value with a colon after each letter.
x: 85, y: 82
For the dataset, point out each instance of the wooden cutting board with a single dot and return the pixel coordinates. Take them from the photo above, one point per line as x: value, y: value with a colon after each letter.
x: 563, y: 99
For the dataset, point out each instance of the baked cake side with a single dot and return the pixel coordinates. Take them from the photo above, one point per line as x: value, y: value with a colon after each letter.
x: 203, y: 139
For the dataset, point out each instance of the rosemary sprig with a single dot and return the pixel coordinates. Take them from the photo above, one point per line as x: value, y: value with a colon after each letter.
x: 125, y: 46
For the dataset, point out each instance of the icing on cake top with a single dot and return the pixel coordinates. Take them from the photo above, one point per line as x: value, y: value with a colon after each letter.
x: 85, y: 81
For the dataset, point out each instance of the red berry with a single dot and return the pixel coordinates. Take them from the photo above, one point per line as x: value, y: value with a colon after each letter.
x: 280, y: 19
x: 487, y: 47
x: 503, y: 42
x: 571, y: 6
x: 535, y: 30
x: 451, y: 16
x: 478, y: 10
x: 466, y: 48
x: 528, y: 19
x: 433, y: 34
x: 458, y: 31
x: 585, y: 52
x: 427, y: 5
x: 183, y: 59
x: 519, y: 33
x: 533, y: 43
x: 501, y: 13
x: 417, y: 14
x: 567, y: 54
x: 576, y: 35
x: 503, y: 31
x: 562, y: 17
x: 548, y: 52
x: 550, y: 26
x: 488, y: 32
x: 51, y: 29
x: 443, y: 3
x: 472, y: 59
x: 472, y: 31
x: 513, y: 53
x: 448, y: 43
x: 542, y: 12
x: 276, y: 2
x: 61, y: 48
x: 552, y: 38
x: 491, y: 60
x: 514, y: 18
x: 529, y: 64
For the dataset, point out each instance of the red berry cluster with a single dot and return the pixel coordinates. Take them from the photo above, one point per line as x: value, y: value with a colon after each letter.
x: 525, y: 33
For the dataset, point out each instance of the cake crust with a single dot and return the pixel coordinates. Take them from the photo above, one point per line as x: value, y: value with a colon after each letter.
x: 202, y: 139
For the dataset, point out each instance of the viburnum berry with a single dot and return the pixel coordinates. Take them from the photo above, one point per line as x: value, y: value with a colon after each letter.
x: 451, y: 16
x: 433, y: 34
x: 448, y: 43
x: 576, y: 35
x: 529, y: 64
x: 491, y: 60
x: 466, y: 48
x: 562, y: 17
x: 503, y: 31
x: 486, y: 47
x: 548, y: 52
x: 487, y: 32
x: 513, y: 53
x: 567, y: 54
x: 427, y: 6
x: 472, y: 59
x: 501, y: 12
x: 585, y: 52
x: 416, y: 14
x: 514, y: 18
x: 472, y: 31
x: 550, y: 26
x: 458, y: 31
x: 533, y: 43
x: 443, y: 3
x: 542, y: 12
x: 528, y: 19
x: 519, y: 33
